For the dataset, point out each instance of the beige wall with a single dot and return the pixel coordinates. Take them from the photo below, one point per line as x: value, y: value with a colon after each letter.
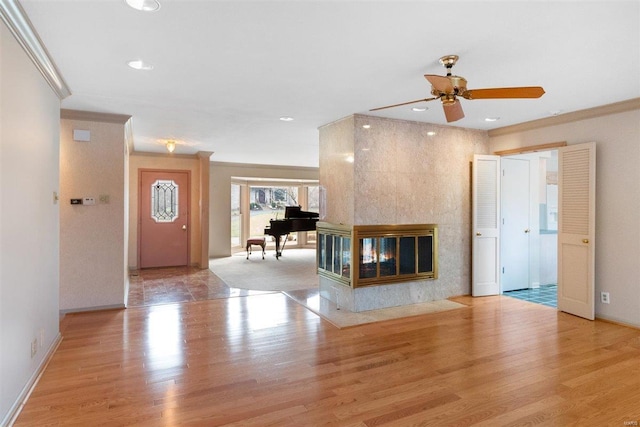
x: 220, y: 191
x: 29, y: 222
x: 167, y: 161
x: 401, y: 175
x: 92, y: 238
x: 617, y: 138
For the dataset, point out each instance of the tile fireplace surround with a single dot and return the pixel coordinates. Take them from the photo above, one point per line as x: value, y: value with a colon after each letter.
x: 400, y: 172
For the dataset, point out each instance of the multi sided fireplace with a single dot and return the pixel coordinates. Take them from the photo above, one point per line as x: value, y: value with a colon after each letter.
x: 382, y: 254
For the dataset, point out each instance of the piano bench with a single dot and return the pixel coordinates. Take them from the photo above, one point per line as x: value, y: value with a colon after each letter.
x: 259, y: 241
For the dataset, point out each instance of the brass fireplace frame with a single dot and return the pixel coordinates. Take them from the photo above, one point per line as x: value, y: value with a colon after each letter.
x: 337, y: 243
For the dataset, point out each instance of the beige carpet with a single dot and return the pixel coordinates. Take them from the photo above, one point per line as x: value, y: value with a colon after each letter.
x: 295, y: 275
x: 294, y: 270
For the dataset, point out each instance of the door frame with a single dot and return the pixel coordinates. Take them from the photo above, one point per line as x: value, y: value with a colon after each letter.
x: 589, y: 238
x: 139, y: 218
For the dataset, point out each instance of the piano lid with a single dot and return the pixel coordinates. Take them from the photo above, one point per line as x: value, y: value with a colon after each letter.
x: 297, y: 212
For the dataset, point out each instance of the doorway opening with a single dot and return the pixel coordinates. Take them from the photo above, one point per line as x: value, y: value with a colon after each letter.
x: 255, y: 202
x: 574, y: 259
x: 529, y: 227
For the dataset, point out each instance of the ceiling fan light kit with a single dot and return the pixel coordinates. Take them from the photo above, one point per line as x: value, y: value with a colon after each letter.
x: 448, y: 88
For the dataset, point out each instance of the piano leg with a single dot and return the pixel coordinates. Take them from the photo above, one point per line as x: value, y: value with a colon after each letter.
x: 278, y: 248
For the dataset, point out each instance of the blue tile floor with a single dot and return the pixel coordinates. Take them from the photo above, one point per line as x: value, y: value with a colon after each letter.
x: 546, y: 295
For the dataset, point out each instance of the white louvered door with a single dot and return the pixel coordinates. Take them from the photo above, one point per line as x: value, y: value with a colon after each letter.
x: 486, y: 226
x: 576, y: 229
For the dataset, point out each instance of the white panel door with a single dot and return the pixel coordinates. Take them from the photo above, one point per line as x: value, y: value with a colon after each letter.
x: 576, y: 229
x: 515, y: 227
x: 486, y: 226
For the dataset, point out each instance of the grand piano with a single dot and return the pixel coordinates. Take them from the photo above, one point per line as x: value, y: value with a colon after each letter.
x: 295, y: 219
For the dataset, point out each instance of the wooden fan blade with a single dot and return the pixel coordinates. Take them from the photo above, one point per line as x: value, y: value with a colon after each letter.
x: 505, y: 92
x: 404, y: 103
x: 453, y: 111
x: 440, y: 83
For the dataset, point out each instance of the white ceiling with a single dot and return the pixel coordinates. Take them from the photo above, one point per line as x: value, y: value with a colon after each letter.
x: 225, y: 71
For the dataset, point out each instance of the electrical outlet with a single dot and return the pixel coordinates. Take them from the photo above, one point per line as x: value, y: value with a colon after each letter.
x: 604, y: 297
x: 34, y: 347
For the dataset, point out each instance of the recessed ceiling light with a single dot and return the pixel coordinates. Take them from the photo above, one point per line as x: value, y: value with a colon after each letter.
x: 555, y: 112
x: 139, y: 64
x: 144, y: 5
x: 431, y: 133
x: 419, y: 109
x: 286, y: 119
x: 492, y: 119
x: 366, y: 126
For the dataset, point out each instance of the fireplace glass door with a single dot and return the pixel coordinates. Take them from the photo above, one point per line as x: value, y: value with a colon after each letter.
x: 382, y: 254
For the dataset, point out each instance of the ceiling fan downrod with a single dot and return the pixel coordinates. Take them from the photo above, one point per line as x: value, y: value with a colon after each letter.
x: 448, y: 62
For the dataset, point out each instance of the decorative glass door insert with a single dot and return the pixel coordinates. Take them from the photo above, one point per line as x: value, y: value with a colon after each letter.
x: 164, y: 201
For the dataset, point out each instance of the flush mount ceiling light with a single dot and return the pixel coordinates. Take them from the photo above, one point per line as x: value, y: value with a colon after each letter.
x: 171, y: 145
x: 139, y: 64
x: 286, y: 119
x: 492, y: 119
x: 431, y: 133
x: 144, y: 5
x: 419, y: 109
x: 366, y: 126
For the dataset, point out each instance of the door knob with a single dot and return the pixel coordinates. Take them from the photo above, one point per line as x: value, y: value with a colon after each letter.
x: 585, y: 240
x: 478, y: 234
x: 184, y: 227
x: 527, y: 230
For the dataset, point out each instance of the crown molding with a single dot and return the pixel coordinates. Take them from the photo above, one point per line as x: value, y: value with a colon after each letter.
x: 165, y: 155
x: 590, y: 113
x: 204, y: 154
x: 254, y: 166
x: 90, y: 116
x: 20, y: 26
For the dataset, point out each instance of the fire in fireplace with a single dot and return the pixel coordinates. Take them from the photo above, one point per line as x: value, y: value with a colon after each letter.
x: 384, y: 253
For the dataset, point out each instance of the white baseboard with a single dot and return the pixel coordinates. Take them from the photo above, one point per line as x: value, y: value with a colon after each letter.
x: 96, y: 308
x: 16, y: 408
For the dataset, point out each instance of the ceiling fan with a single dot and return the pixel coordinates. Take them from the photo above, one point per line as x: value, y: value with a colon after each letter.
x: 448, y: 88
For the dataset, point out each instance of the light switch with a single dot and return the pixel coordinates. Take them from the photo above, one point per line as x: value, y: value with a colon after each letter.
x: 89, y: 201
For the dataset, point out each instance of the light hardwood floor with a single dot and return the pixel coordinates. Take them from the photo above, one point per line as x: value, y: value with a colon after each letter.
x: 264, y: 360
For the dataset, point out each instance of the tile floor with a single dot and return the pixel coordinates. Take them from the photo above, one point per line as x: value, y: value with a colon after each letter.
x: 546, y: 295
x: 178, y: 284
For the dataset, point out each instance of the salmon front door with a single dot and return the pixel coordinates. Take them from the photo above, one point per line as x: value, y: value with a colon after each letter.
x: 164, y: 218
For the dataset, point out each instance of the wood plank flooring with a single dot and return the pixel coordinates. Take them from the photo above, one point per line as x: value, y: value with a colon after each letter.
x: 264, y: 360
